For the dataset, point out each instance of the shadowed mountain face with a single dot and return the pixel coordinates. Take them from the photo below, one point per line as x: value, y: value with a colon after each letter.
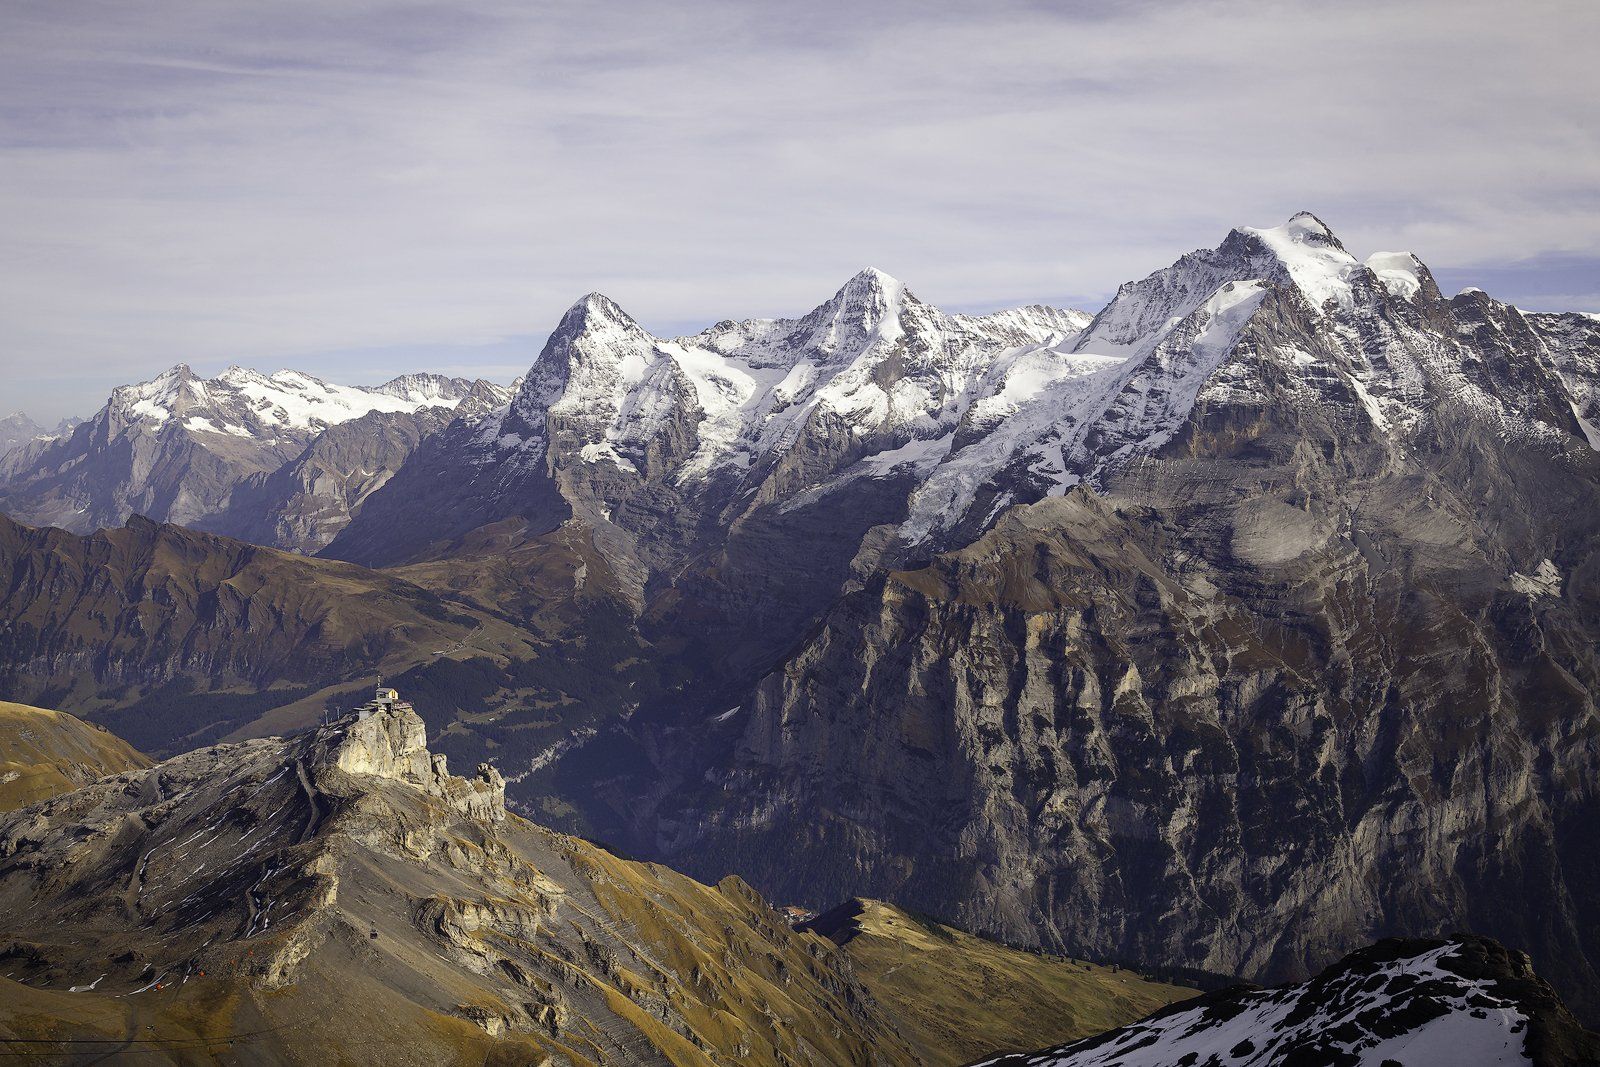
x: 173, y: 637
x: 1466, y: 1001
x: 340, y: 895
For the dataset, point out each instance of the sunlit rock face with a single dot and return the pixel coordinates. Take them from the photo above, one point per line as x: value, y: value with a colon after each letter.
x: 344, y: 895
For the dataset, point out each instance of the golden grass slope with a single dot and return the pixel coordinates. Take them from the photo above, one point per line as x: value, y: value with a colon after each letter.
x: 44, y: 753
x: 956, y: 997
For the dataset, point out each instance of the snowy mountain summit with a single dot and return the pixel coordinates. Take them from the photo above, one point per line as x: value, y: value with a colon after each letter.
x: 247, y: 403
x: 244, y: 452
x: 875, y: 404
x: 966, y: 415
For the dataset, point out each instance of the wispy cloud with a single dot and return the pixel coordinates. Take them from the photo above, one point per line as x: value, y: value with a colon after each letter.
x: 274, y: 182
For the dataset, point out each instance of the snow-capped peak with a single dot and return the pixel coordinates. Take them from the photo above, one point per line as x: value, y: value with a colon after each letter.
x: 872, y: 290
x: 597, y: 310
x: 1313, y: 257
x: 236, y: 374
x: 872, y: 357
x: 866, y: 308
x: 243, y: 402
x: 428, y: 390
x: 1305, y: 226
x: 869, y: 285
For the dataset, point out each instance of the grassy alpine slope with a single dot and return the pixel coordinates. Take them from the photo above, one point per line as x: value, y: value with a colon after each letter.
x: 44, y: 753
x: 931, y: 976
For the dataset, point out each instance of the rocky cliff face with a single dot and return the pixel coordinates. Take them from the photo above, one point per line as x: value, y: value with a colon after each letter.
x: 242, y: 453
x: 392, y: 742
x: 304, y: 504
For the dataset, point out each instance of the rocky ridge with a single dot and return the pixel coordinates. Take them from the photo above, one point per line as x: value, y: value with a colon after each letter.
x: 348, y: 869
x: 43, y: 753
x: 341, y: 893
x: 176, y: 638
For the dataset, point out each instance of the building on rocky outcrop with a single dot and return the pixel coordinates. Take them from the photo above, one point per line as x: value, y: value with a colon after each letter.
x: 388, y: 738
x: 385, y: 699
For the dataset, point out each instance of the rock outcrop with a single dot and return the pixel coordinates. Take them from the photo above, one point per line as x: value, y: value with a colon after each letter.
x: 390, y: 740
x: 339, y: 895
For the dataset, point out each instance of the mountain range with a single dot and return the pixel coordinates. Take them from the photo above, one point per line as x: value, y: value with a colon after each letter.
x: 283, y: 459
x: 17, y: 429
x: 1236, y: 626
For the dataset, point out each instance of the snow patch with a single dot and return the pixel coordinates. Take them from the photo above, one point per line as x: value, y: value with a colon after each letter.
x: 1544, y: 581
x: 1400, y: 272
x: 1591, y: 432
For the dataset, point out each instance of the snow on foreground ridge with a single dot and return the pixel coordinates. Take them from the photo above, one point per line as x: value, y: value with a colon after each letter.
x: 1465, y: 1003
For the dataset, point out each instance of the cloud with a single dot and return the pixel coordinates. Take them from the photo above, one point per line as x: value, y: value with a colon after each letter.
x: 292, y: 182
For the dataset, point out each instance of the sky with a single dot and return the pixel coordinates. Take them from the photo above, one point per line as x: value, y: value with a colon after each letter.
x: 359, y: 188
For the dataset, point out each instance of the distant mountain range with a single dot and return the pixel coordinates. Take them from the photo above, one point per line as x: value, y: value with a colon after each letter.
x: 282, y: 459
x: 17, y: 429
x: 1233, y: 627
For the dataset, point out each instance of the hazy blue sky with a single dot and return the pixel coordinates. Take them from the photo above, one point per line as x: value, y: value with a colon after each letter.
x: 359, y: 187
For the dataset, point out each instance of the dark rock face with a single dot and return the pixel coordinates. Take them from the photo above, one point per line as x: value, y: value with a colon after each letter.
x: 1466, y: 1001
x: 305, y: 503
